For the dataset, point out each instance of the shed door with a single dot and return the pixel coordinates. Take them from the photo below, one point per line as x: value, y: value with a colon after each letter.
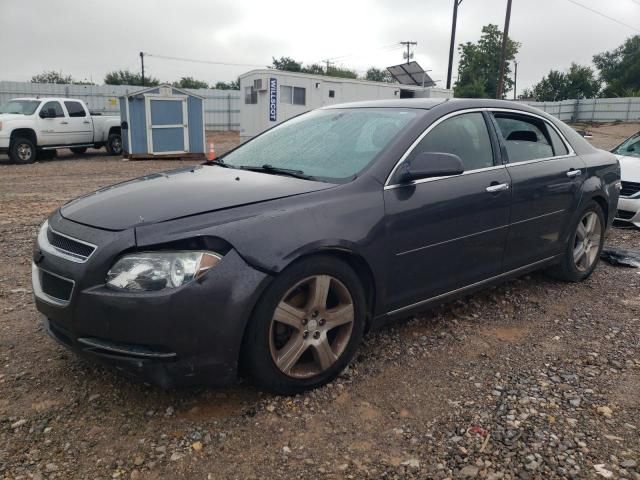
x: 167, y: 124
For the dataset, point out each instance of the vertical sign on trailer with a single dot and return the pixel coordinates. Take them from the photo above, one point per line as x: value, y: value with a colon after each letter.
x: 273, y: 99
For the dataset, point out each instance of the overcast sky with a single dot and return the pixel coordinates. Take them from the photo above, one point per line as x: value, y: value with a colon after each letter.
x: 87, y: 38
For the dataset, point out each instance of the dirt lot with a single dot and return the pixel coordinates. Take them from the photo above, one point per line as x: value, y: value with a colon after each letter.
x: 532, y: 379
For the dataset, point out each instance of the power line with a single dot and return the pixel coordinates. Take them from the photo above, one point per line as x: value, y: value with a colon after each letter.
x: 604, y: 15
x: 393, y: 46
x: 210, y: 62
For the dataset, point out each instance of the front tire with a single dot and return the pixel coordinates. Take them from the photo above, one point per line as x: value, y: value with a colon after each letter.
x: 22, y: 151
x: 306, y: 327
x: 582, y: 252
x: 114, y: 144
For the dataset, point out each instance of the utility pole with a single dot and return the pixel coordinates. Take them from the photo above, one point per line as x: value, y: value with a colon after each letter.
x: 328, y: 62
x: 503, y: 55
x: 456, y: 4
x: 408, y: 55
x: 515, y: 80
x: 142, y: 65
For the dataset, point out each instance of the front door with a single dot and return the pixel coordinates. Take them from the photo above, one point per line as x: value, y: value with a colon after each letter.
x: 53, y: 125
x: 546, y: 182
x: 446, y: 233
x: 167, y: 125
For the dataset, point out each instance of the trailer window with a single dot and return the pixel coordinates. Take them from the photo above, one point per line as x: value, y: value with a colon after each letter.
x: 75, y: 109
x: 250, y: 96
x: 293, y: 95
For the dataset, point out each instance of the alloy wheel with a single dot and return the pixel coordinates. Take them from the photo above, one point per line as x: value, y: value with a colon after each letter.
x: 116, y: 145
x: 586, y: 245
x: 25, y: 152
x: 311, y: 326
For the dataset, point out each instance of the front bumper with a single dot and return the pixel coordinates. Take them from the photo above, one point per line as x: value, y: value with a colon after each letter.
x: 191, y: 335
x: 629, y: 210
x: 4, y: 144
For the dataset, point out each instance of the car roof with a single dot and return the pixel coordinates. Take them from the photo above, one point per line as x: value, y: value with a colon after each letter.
x: 429, y: 103
x: 45, y: 99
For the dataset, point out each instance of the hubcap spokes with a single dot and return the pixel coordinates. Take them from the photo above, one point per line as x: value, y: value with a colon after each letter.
x: 311, y: 326
x: 587, y: 241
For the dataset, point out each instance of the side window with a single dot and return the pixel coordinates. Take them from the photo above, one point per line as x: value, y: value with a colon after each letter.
x: 559, y: 147
x: 75, y: 109
x: 54, y: 109
x: 525, y: 138
x: 286, y: 94
x: 464, y: 135
x: 293, y: 95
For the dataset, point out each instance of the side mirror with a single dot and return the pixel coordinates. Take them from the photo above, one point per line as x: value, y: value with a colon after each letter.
x: 48, y: 113
x: 431, y: 164
x: 44, y: 113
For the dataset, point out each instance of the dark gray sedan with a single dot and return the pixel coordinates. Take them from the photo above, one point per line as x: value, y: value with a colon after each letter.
x: 277, y: 258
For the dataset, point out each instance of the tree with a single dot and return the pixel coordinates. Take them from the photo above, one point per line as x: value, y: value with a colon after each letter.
x: 313, y: 69
x: 190, y: 82
x: 377, y: 75
x: 234, y: 85
x: 620, y: 68
x: 287, y: 63
x: 479, y: 65
x: 126, y: 77
x: 341, y: 72
x: 57, y: 77
x: 579, y: 82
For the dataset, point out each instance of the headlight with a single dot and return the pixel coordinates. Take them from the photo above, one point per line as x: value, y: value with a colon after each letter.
x: 152, y: 271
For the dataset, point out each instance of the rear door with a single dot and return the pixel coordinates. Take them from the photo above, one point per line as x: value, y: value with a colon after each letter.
x: 447, y: 233
x: 80, y: 125
x: 52, y: 124
x: 546, y: 181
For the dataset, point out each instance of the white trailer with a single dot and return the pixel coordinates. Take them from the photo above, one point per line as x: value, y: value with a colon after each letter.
x: 269, y: 97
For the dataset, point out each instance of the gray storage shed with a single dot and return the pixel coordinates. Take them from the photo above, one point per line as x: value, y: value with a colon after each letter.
x: 162, y: 121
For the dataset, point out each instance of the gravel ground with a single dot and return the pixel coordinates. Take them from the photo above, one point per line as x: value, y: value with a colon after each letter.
x: 534, y: 379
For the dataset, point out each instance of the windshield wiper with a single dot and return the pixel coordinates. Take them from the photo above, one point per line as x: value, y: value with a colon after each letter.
x: 266, y: 168
x: 219, y: 163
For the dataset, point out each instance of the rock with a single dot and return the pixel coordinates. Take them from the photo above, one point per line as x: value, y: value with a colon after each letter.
x: 18, y: 424
x: 286, y: 450
x: 411, y: 463
x: 271, y: 408
x: 94, y: 397
x: 575, y: 402
x: 605, y: 411
x: 628, y: 464
x: 169, y: 412
x: 343, y: 467
x: 139, y: 460
x: 197, y: 446
x: 469, y: 471
x: 603, y: 472
x: 134, y: 475
x: 51, y: 467
x: 175, y: 456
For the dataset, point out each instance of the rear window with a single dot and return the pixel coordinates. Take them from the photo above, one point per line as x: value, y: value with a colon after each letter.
x: 75, y: 109
x: 529, y: 138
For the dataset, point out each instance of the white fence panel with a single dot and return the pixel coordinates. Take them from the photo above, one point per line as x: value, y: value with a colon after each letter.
x: 625, y: 109
x: 221, y: 107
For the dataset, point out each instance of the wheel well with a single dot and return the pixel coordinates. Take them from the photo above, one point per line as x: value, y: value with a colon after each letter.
x: 24, y: 133
x: 605, y: 207
x: 114, y: 130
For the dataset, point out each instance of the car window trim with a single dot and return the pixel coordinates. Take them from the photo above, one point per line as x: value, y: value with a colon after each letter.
x: 388, y: 185
x: 570, y: 150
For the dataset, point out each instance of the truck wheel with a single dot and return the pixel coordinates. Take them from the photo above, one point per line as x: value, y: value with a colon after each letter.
x: 114, y: 144
x: 22, y: 151
x: 78, y: 150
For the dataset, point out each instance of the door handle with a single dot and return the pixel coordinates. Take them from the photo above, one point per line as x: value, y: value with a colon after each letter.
x: 500, y: 187
x: 64, y: 123
x: 86, y: 121
x: 574, y: 173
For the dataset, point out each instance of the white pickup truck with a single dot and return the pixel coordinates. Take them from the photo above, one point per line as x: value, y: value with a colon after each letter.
x: 33, y: 128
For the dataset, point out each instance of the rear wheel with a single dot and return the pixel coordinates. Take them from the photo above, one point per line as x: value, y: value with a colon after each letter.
x: 114, y: 144
x: 306, y: 327
x: 585, y: 244
x: 22, y: 151
x: 78, y: 150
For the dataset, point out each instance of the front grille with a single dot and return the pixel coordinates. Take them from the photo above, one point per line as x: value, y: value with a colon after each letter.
x: 70, y: 246
x: 629, y: 189
x: 56, y: 287
x: 625, y: 214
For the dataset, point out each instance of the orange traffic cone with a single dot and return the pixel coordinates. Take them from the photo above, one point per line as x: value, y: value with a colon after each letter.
x: 212, y: 153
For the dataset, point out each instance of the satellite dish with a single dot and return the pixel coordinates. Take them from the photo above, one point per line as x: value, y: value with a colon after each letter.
x: 411, y: 74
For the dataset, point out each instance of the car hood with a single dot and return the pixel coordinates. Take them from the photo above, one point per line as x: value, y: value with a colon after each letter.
x: 629, y: 168
x: 11, y: 116
x: 180, y: 193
